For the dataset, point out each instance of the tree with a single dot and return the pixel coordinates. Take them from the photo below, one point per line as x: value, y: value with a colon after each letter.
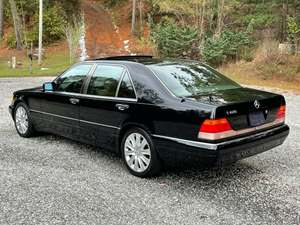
x: 73, y: 31
x: 17, y: 24
x: 1, y: 18
x: 40, y: 32
x: 220, y: 24
x: 133, y: 19
x: 202, y: 27
x: 141, y: 17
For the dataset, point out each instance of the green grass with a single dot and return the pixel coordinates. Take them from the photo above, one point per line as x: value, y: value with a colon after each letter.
x: 54, y: 64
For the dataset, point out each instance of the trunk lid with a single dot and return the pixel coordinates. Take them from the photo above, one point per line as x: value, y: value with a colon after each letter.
x: 243, y: 107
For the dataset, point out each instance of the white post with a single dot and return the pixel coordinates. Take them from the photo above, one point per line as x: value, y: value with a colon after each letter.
x: 13, y: 62
x: 40, y: 33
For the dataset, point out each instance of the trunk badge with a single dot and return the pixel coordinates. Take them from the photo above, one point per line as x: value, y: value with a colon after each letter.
x: 256, y: 104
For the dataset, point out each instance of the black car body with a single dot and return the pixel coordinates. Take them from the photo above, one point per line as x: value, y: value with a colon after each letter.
x: 221, y: 124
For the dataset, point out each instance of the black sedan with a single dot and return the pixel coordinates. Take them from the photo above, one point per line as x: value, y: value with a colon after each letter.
x: 154, y: 111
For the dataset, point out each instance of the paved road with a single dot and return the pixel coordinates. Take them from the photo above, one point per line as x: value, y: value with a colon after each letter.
x: 50, y: 180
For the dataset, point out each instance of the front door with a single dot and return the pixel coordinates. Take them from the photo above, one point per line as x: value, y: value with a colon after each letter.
x: 60, y: 108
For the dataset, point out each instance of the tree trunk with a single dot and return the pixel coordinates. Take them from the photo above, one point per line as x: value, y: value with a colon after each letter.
x: 1, y: 19
x: 133, y: 19
x: 284, y: 20
x: 202, y: 19
x: 202, y: 26
x: 220, y: 23
x: 141, y: 17
x: 17, y: 24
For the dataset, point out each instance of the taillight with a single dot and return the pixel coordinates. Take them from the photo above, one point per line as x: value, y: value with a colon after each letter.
x: 213, y: 129
x: 281, y: 112
x: 215, y: 125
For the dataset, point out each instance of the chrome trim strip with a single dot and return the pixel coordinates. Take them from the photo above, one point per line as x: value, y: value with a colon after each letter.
x: 55, y: 115
x: 211, y: 146
x: 69, y: 118
x: 100, y: 124
x: 189, y: 143
x: 97, y: 96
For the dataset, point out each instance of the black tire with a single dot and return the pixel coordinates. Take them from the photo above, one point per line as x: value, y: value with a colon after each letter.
x: 30, y: 132
x: 154, y: 168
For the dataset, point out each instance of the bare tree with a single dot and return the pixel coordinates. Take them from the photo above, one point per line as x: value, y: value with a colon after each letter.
x: 1, y: 18
x: 17, y: 24
x: 133, y: 19
x: 73, y: 31
x: 202, y: 26
x: 202, y: 20
x: 220, y: 24
x: 141, y: 17
x: 285, y: 11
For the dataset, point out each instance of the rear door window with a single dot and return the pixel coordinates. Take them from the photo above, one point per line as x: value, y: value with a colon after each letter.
x: 126, y: 89
x: 105, y: 80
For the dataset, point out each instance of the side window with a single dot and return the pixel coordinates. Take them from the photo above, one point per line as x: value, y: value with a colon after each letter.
x: 73, y: 79
x: 105, y: 80
x: 126, y: 89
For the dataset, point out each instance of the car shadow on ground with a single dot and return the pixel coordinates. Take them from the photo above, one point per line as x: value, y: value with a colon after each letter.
x: 239, y: 170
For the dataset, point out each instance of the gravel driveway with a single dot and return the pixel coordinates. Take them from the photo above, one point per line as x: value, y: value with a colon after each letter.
x: 51, y: 180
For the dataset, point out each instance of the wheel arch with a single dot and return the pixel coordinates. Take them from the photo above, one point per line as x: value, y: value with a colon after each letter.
x: 127, y: 125
x: 20, y: 99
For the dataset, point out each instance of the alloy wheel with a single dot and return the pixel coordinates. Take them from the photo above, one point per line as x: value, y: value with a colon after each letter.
x: 137, y: 152
x: 21, y: 118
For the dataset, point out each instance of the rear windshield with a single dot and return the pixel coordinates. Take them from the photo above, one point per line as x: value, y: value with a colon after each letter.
x: 187, y: 79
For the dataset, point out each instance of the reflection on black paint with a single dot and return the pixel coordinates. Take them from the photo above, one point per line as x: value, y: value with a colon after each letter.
x: 149, y: 95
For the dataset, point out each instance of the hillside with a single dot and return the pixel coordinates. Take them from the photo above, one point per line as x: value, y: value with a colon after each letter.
x: 240, y: 37
x: 103, y: 36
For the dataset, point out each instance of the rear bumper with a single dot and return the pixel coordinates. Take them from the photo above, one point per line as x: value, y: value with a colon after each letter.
x: 185, y: 151
x: 249, y: 146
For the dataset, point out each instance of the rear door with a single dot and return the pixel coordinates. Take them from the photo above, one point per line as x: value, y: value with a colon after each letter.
x: 60, y: 108
x: 109, y: 99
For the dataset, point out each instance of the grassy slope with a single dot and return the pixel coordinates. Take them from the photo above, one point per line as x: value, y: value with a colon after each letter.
x: 246, y: 74
x: 54, y: 63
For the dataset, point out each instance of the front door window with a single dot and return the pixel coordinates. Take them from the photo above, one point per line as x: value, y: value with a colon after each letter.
x: 72, y: 80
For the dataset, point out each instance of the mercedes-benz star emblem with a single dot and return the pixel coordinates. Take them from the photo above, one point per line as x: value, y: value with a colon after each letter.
x: 256, y: 104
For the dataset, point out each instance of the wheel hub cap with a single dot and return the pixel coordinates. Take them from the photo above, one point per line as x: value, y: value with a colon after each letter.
x: 21, y: 120
x: 137, y: 152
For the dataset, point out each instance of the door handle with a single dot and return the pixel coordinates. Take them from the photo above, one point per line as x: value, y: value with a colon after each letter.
x: 122, y: 107
x: 74, y: 101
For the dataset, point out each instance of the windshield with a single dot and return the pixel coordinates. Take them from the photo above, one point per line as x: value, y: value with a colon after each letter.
x: 187, y: 79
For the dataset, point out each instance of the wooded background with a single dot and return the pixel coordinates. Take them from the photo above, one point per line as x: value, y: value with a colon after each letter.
x: 215, y: 31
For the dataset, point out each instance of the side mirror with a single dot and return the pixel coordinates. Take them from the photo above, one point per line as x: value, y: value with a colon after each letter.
x: 48, y: 86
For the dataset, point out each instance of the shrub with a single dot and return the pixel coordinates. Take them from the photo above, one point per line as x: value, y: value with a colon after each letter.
x: 11, y: 41
x: 228, y: 46
x: 268, y: 53
x: 173, y: 40
x: 112, y: 3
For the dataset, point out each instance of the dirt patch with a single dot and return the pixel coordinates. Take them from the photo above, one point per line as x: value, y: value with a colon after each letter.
x: 101, y: 35
x: 109, y: 32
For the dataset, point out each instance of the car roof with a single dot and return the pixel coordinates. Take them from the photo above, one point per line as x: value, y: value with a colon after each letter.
x: 140, y: 59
